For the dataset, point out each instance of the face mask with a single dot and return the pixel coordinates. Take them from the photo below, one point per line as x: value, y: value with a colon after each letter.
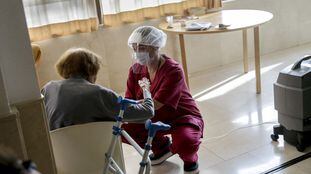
x: 142, y: 57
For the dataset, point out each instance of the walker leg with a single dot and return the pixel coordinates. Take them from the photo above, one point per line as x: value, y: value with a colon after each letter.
x: 111, y: 149
x: 109, y: 154
x: 145, y: 159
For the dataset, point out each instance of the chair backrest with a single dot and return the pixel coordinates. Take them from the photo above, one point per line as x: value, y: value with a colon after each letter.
x: 80, y: 149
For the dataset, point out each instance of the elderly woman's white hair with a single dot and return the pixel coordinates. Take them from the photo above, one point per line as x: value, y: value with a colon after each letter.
x: 148, y: 35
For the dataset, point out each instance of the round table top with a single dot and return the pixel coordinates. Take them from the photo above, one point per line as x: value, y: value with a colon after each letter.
x: 237, y: 19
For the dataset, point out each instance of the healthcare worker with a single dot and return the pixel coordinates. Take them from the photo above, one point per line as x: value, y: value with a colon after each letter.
x: 173, y: 102
x: 77, y: 99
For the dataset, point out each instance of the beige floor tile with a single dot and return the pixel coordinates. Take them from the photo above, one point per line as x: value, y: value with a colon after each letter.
x: 243, y: 164
x: 292, y: 170
x: 240, y: 142
x: 276, y: 152
x: 173, y: 165
x: 305, y: 165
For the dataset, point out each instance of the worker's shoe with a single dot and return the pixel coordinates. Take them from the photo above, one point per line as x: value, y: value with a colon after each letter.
x: 157, y: 159
x: 192, y: 168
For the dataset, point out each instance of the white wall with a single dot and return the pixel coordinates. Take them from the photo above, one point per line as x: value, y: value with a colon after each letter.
x: 15, y: 54
x: 4, y: 106
x: 288, y: 28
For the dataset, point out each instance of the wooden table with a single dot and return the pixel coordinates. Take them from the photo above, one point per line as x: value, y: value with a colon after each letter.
x: 238, y: 20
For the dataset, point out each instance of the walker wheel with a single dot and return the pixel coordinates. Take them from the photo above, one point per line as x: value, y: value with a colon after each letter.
x: 274, y: 137
x: 300, y: 147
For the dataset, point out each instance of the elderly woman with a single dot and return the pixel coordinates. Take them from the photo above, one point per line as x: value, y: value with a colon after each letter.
x: 173, y: 102
x: 77, y: 100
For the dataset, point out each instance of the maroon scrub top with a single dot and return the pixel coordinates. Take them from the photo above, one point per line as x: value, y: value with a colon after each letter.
x: 169, y: 88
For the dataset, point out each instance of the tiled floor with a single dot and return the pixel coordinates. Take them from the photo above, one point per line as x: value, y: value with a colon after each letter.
x: 238, y: 122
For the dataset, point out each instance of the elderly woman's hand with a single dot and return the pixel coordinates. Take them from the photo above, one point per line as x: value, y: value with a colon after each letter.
x: 144, y: 83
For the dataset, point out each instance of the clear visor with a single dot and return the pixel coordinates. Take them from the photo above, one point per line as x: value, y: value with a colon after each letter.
x: 140, y: 58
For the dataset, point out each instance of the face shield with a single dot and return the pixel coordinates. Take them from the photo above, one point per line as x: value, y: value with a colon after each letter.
x: 142, y: 56
x: 145, y: 42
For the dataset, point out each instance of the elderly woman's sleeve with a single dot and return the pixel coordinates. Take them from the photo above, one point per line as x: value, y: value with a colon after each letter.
x: 133, y: 112
x: 44, y: 88
x: 139, y: 112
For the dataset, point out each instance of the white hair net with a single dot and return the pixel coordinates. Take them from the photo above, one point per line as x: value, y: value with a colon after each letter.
x: 148, y: 35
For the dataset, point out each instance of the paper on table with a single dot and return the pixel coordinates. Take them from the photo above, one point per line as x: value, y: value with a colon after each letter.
x: 198, y: 26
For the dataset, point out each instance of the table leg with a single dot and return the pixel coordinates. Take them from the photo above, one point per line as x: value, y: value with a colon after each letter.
x: 257, y: 59
x: 245, y: 51
x: 183, y: 57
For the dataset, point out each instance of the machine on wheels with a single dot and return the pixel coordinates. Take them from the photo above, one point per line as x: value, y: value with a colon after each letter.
x: 292, y: 100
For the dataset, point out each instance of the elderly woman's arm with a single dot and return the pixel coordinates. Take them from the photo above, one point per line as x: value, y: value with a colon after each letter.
x: 133, y: 112
x: 146, y: 104
x: 139, y: 112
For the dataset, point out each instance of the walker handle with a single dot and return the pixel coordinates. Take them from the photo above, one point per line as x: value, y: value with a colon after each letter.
x: 125, y: 101
x: 153, y: 128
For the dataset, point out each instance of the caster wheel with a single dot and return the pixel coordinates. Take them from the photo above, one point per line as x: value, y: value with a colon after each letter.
x: 300, y: 147
x: 274, y: 137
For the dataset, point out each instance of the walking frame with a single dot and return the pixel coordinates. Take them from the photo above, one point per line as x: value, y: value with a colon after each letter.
x: 117, y: 131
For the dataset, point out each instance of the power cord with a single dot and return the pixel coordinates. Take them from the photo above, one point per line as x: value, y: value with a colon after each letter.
x: 235, y: 129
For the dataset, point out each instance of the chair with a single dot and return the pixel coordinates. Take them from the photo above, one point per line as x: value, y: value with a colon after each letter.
x: 80, y: 149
